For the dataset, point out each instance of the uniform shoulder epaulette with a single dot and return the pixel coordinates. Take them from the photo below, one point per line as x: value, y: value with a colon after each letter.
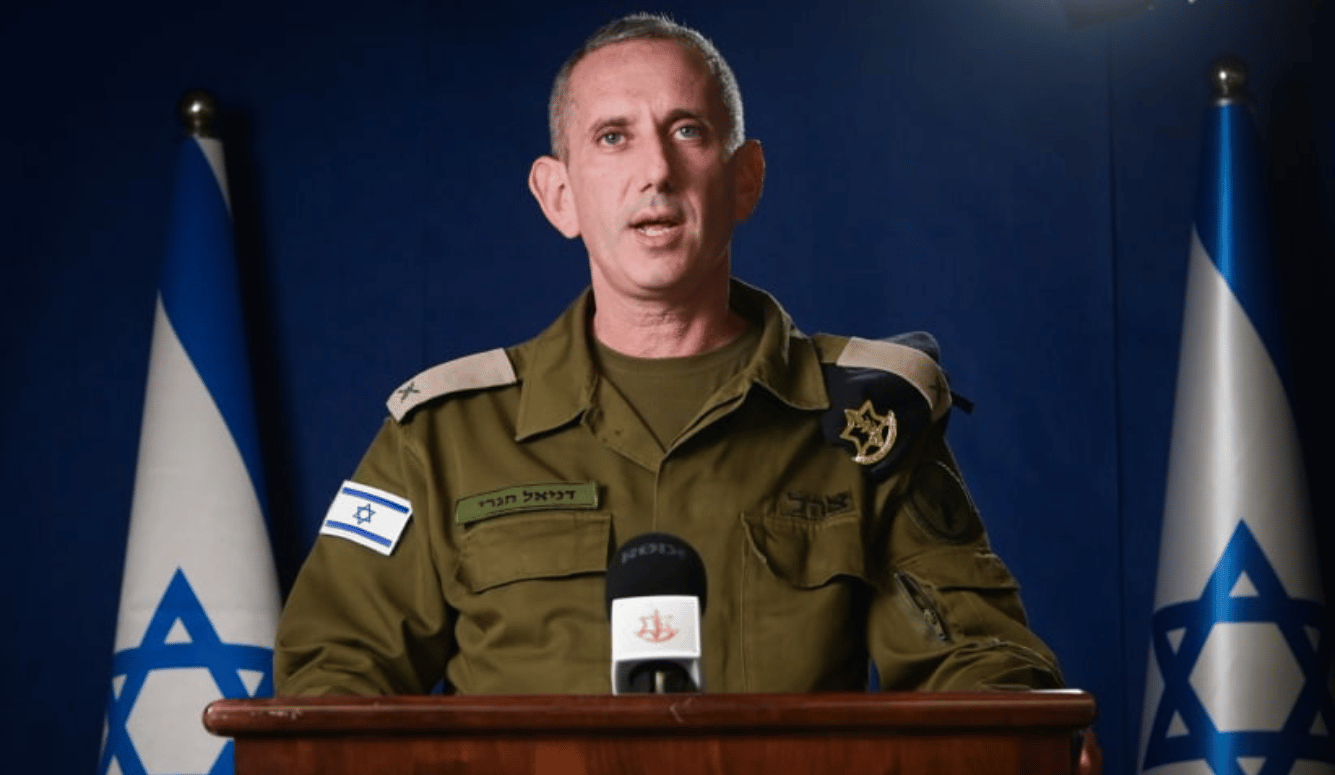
x: 913, y: 357
x: 471, y: 372
x: 883, y: 394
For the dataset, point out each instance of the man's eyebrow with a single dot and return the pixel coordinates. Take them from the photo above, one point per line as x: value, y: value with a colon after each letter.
x: 679, y: 113
x: 608, y: 122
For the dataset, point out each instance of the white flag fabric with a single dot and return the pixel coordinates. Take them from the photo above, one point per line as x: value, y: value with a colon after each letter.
x: 1239, y: 651
x: 199, y: 598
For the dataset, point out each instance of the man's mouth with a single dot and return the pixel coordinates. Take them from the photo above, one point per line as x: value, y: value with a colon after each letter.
x: 655, y: 225
x: 654, y: 228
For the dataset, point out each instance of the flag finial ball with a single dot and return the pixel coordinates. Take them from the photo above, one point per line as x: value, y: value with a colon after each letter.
x: 1228, y: 78
x: 198, y: 110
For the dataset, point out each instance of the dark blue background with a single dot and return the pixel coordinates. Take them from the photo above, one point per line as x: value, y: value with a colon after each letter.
x: 1020, y: 185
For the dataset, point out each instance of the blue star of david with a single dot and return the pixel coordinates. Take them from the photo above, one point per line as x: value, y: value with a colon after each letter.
x: 1271, y: 604
x: 370, y: 512
x: 205, y: 650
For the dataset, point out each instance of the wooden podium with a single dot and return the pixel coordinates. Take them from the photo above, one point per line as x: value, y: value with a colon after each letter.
x: 997, y: 733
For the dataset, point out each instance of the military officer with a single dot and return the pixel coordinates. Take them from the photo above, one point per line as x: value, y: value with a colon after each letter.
x: 811, y: 473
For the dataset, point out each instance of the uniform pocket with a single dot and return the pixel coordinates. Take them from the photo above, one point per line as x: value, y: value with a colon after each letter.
x: 808, y: 553
x: 920, y: 608
x: 804, y: 604
x: 534, y: 546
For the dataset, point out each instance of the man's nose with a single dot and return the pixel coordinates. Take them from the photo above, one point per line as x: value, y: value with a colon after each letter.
x: 659, y: 164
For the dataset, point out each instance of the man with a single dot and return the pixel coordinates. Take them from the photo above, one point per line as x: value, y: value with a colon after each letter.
x: 811, y: 473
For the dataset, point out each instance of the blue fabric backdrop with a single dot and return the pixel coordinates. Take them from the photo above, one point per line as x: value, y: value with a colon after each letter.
x: 1019, y: 185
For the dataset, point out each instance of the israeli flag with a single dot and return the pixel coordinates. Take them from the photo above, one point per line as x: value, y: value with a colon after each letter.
x: 199, y: 599
x: 1239, y: 653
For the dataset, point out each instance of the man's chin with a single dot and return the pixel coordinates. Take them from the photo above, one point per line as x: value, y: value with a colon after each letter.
x: 677, y: 288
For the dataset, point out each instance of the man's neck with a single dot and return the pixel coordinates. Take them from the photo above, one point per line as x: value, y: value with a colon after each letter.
x: 657, y: 329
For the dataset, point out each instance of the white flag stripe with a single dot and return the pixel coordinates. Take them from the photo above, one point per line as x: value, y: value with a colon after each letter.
x: 213, y: 152
x: 193, y: 494
x: 1235, y: 452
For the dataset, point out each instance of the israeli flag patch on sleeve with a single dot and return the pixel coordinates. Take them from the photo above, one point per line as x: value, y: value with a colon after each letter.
x: 367, y: 516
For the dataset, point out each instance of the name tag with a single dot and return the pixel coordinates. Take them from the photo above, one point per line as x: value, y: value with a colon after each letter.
x: 556, y: 496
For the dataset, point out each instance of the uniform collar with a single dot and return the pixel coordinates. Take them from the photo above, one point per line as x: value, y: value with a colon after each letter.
x: 558, y: 376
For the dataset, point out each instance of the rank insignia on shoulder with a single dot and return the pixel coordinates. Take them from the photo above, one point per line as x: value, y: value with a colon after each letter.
x: 883, y: 394
x: 367, y: 516
x: 471, y: 372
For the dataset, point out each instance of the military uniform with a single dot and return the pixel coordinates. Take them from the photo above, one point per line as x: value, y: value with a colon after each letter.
x: 524, y: 470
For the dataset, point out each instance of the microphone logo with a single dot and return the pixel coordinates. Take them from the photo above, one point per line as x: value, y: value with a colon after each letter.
x: 656, y: 629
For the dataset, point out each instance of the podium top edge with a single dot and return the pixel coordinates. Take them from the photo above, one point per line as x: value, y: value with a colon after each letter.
x: 902, y: 712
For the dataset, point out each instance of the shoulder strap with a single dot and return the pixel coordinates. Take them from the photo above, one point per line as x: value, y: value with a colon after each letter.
x: 471, y: 372
x: 916, y: 365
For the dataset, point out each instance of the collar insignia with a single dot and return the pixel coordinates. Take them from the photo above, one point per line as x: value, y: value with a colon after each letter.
x: 872, y: 435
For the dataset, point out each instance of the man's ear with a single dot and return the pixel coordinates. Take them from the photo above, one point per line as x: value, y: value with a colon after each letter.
x: 748, y: 178
x: 551, y: 187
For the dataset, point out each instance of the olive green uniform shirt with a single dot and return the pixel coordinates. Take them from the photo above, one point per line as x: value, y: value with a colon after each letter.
x: 667, y: 393
x: 497, y: 581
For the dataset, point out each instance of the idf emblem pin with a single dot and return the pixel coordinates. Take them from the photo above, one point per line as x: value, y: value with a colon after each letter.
x: 871, y: 434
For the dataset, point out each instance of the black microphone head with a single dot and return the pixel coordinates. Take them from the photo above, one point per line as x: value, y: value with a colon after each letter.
x: 653, y: 564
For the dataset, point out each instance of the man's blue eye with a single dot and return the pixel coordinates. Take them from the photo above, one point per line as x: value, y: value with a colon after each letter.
x: 610, y: 138
x: 689, y: 131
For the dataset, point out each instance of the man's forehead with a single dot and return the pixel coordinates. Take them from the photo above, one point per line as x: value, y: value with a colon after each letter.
x: 619, y: 68
x: 624, y: 51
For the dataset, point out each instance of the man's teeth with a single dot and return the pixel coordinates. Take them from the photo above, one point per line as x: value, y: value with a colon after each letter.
x: 652, y: 229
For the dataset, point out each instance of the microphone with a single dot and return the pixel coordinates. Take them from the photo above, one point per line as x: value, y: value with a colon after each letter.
x: 655, y: 596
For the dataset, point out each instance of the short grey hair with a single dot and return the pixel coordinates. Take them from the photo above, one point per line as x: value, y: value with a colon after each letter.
x: 646, y: 26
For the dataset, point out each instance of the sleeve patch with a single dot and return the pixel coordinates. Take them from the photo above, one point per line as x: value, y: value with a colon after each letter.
x: 367, y: 516
x: 941, y: 506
